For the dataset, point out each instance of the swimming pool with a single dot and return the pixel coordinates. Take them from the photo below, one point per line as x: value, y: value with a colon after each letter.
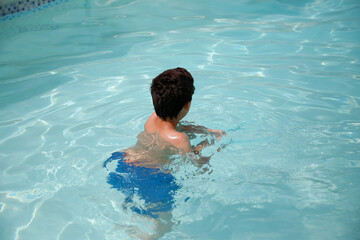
x: 280, y: 77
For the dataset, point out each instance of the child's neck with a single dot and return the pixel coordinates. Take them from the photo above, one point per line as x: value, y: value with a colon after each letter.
x: 172, y: 123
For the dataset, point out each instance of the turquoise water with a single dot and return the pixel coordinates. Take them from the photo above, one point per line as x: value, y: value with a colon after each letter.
x: 281, y: 77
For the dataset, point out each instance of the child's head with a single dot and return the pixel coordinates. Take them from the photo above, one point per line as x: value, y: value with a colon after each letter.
x: 170, y: 91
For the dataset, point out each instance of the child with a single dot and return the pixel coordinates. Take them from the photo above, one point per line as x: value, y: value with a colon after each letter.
x: 163, y: 136
x: 139, y: 167
x: 172, y: 92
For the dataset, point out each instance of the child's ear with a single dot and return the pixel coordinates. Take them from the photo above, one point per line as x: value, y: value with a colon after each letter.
x: 187, y: 105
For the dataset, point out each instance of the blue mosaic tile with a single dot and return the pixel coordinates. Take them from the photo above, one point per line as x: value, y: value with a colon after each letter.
x: 10, y: 10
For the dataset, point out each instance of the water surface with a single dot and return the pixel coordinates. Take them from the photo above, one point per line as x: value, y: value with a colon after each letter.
x: 282, y: 78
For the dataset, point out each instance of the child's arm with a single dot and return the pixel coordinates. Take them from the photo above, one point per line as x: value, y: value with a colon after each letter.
x: 201, y: 145
x: 205, y: 143
x: 218, y: 133
x: 191, y: 130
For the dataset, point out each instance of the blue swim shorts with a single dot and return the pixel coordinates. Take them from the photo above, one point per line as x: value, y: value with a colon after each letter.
x: 150, y: 184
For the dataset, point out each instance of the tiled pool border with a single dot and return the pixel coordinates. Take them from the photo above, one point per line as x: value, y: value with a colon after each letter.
x: 10, y: 10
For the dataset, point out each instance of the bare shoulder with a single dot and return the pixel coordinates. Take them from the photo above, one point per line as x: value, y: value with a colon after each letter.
x: 179, y: 136
x: 180, y: 140
x: 167, y: 132
x: 150, y: 123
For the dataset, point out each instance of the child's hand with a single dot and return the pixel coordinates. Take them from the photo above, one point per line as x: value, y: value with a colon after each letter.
x: 218, y: 133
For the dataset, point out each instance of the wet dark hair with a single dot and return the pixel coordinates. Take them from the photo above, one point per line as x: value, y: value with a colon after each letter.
x: 170, y: 91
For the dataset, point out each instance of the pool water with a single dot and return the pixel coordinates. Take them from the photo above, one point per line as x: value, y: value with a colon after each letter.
x: 280, y: 77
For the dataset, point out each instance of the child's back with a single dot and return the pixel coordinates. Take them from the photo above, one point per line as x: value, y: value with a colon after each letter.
x: 151, y: 150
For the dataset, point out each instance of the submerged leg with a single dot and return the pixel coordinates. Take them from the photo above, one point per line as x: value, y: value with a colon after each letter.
x: 163, y: 223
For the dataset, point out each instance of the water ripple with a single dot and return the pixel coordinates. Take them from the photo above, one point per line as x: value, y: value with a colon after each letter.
x: 135, y: 34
